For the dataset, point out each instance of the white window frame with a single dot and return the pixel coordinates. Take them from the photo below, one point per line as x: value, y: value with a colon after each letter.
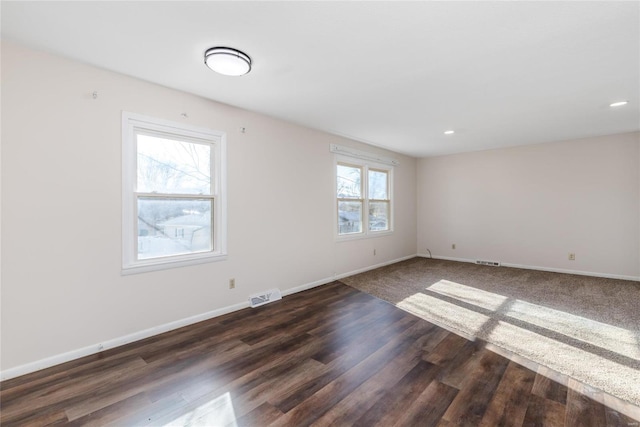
x: 132, y: 124
x: 347, y: 156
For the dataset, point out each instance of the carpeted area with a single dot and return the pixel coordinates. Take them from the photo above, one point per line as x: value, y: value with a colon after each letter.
x: 584, y: 327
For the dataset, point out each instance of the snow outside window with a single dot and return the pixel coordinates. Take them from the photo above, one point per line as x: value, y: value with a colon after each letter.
x: 173, y: 194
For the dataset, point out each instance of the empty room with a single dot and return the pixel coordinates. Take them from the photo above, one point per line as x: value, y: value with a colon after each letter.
x: 225, y: 213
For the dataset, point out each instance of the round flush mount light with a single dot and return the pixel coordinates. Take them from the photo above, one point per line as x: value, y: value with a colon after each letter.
x: 227, y: 61
x: 449, y: 132
x: 618, y: 104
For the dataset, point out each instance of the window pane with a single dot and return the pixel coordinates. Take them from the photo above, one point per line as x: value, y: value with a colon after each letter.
x: 378, y: 185
x: 349, y: 217
x: 349, y: 182
x: 169, y: 166
x: 173, y: 227
x: 378, y: 216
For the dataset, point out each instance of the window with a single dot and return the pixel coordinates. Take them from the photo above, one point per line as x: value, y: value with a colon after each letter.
x: 173, y: 194
x: 363, y: 197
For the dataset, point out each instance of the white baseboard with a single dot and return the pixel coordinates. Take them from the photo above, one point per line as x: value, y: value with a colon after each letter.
x: 307, y: 286
x: 373, y: 267
x: 578, y: 272
x: 116, y: 342
x: 448, y: 258
x: 136, y: 336
x: 550, y: 269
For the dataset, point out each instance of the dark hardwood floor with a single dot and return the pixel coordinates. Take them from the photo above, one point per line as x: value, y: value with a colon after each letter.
x: 328, y: 356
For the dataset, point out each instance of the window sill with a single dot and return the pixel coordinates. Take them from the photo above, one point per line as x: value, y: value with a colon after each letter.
x: 165, y: 264
x: 358, y: 236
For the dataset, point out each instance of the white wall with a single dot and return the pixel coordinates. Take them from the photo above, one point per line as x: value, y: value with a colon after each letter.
x: 533, y: 205
x: 61, y: 209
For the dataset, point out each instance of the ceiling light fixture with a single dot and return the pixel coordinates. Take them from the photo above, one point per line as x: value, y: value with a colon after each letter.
x: 618, y: 104
x: 227, y: 61
x: 449, y: 132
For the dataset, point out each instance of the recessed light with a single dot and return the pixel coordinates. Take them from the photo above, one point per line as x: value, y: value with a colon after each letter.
x: 227, y: 61
x: 449, y: 132
x: 618, y: 104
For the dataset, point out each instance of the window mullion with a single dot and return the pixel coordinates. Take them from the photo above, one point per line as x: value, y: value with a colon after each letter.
x: 174, y: 196
x: 351, y: 200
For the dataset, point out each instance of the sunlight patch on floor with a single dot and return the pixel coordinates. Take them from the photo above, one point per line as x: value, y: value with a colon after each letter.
x: 608, y: 337
x: 477, y: 297
x: 603, y: 335
x: 574, y: 360
x: 217, y: 412
x: 571, y: 360
x: 465, y: 320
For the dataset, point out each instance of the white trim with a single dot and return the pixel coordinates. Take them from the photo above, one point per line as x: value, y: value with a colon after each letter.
x: 136, y: 336
x: 366, y: 166
x: 578, y: 272
x: 549, y: 269
x: 307, y: 286
x: 132, y: 124
x: 357, y: 236
x: 373, y: 267
x: 116, y: 342
x: 352, y: 152
x: 156, y: 264
x: 446, y: 258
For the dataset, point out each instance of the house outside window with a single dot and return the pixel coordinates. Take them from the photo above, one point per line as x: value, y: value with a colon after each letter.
x: 174, y: 210
x: 364, y: 205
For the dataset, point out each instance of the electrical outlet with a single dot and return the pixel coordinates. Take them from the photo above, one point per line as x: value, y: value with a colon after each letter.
x: 232, y: 283
x: 572, y: 257
x: 453, y: 246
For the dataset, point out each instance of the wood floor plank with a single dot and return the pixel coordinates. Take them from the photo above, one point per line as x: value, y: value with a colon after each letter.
x: 433, y: 338
x: 343, y: 339
x: 544, y: 386
x: 263, y: 415
x: 226, y: 372
x: 249, y: 396
x: 428, y: 408
x: 367, y: 345
x: 470, y: 405
x: 446, y: 350
x: 617, y: 419
x: 582, y: 411
x: 73, y: 391
x: 38, y: 382
x: 160, y: 412
x: 543, y: 412
x: 324, y: 399
x: 620, y: 412
x: 400, y: 397
x: 357, y: 403
x: 328, y: 356
x: 42, y: 417
x: 113, y: 412
x: 462, y: 364
x: 510, y: 401
x: 210, y: 384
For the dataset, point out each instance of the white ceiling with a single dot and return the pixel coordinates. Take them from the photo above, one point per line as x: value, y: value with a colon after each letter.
x: 392, y: 74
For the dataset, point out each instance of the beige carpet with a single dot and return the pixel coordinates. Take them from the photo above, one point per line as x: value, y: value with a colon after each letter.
x: 584, y: 327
